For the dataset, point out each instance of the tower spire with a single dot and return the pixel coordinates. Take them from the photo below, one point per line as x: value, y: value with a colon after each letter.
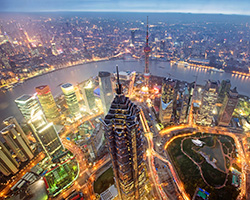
x: 147, y: 50
x: 118, y: 84
x: 147, y: 33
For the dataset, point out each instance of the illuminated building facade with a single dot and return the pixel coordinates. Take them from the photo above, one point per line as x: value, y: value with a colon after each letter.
x: 47, y: 102
x: 12, y: 120
x: 88, y: 95
x: 8, y: 165
x: 228, y: 106
x: 124, y: 136
x: 71, y: 99
x: 208, y: 103
x: 28, y: 105
x: 167, y: 100
x: 106, y: 90
x: 147, y: 51
x: 46, y: 135
x: 13, y: 135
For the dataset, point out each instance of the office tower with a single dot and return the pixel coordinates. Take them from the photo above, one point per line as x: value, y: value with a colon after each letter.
x: 8, y: 165
x: 208, y: 103
x: 17, y: 144
x: 46, y: 135
x: 124, y: 136
x: 147, y: 50
x: 228, y: 106
x: 106, y: 90
x: 87, y: 90
x: 12, y: 120
x: 131, y: 84
x: 133, y: 36
x: 163, y: 45
x: 28, y: 105
x: 223, y: 90
x: 71, y: 99
x: 184, y: 106
x: 47, y: 102
x: 167, y: 100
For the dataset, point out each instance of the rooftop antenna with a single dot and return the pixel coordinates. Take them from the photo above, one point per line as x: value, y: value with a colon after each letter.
x: 118, y: 85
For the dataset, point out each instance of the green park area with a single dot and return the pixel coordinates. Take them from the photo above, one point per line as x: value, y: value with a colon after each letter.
x: 104, y: 181
x: 206, y: 166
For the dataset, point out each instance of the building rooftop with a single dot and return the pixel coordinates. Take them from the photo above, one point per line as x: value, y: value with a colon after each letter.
x: 109, y: 194
x: 103, y: 74
x: 66, y: 85
x: 23, y: 98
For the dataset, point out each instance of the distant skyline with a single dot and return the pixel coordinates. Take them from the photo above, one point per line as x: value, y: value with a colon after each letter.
x: 240, y: 7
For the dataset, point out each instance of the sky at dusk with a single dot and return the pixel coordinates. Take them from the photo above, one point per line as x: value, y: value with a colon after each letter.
x: 186, y: 6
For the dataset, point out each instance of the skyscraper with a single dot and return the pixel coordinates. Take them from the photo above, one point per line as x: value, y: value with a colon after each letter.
x: 228, y: 106
x: 28, y: 105
x: 12, y: 120
x: 133, y: 36
x: 106, y: 90
x: 184, y: 106
x: 223, y: 90
x: 124, y: 136
x: 71, y: 99
x: 17, y: 144
x: 8, y: 165
x: 47, y: 102
x: 167, y: 100
x: 46, y: 135
x: 208, y: 103
x: 87, y: 90
x: 147, y: 50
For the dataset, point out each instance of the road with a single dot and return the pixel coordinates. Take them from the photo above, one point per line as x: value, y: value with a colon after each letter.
x: 219, y: 131
x: 86, y: 171
x: 160, y: 192
x: 151, y: 153
x: 20, y: 174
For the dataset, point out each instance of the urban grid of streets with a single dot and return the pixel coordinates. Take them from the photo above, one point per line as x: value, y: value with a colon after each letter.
x: 88, y: 173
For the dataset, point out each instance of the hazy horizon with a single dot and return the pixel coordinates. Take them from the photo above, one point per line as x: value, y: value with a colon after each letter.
x: 159, y: 6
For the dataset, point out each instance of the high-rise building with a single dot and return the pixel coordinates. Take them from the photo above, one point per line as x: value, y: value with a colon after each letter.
x: 47, y: 102
x: 183, y: 118
x: 223, y: 90
x: 28, y: 105
x: 228, y: 106
x: 124, y: 136
x: 208, y: 103
x: 46, y: 134
x: 71, y: 99
x: 87, y: 90
x: 147, y: 51
x: 12, y: 120
x: 133, y: 36
x: 106, y: 90
x: 17, y: 144
x: 168, y: 96
x: 8, y: 165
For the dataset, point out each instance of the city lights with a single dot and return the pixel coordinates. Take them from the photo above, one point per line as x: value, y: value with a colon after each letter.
x: 173, y: 123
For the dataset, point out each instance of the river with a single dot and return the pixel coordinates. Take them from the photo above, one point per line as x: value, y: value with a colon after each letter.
x: 79, y: 73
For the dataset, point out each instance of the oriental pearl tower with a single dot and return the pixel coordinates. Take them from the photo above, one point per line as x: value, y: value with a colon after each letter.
x: 147, y: 50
